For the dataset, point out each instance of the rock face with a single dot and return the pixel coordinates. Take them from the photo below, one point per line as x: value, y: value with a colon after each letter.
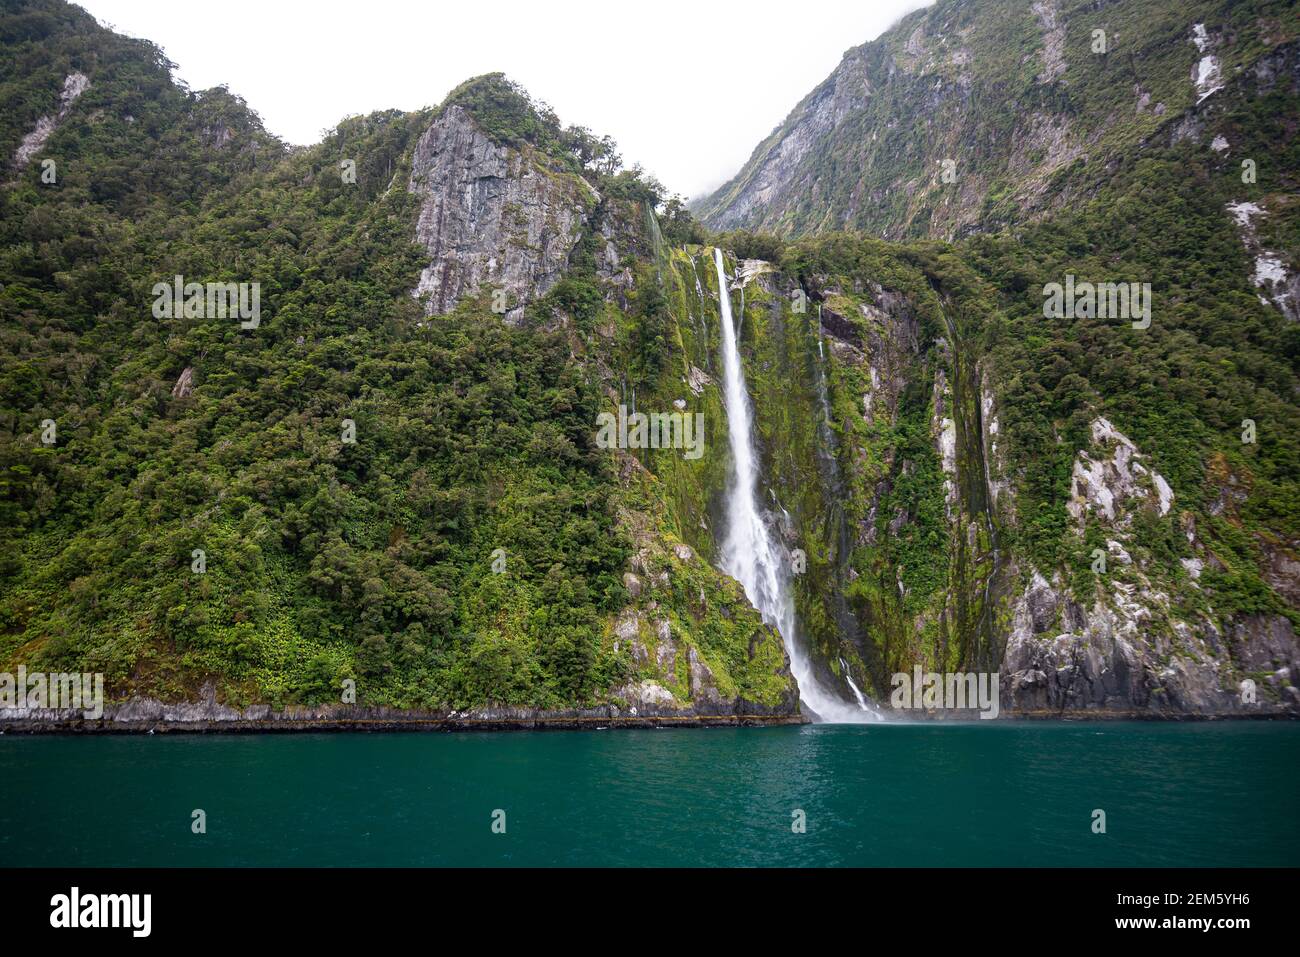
x: 777, y: 165
x: 1127, y: 646
x: 1115, y: 656
x: 184, y: 386
x: 1277, y: 285
x: 491, y: 216
x: 886, y: 144
x: 1103, y: 480
x: 74, y: 85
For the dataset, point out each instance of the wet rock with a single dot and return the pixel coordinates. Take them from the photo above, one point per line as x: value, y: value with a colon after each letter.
x: 1265, y: 642
x: 702, y: 684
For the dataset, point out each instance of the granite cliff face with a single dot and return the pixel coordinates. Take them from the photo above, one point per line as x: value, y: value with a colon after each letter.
x: 491, y: 217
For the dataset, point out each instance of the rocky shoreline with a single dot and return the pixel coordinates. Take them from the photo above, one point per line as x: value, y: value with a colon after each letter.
x: 150, y: 717
x: 539, y: 722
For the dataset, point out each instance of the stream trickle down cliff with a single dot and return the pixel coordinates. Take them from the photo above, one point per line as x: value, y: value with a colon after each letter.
x: 749, y: 551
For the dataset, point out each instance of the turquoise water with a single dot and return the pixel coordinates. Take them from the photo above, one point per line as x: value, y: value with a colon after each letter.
x: 899, y: 795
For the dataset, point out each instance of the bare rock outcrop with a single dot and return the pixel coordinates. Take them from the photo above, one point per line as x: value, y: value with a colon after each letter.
x: 74, y: 85
x: 491, y: 216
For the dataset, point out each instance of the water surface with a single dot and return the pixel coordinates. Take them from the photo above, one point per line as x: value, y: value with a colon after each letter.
x: 986, y: 793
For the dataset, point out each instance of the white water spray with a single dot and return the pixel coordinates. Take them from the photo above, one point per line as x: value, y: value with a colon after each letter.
x: 749, y: 552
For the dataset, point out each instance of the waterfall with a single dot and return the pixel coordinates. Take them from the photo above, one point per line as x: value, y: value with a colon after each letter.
x: 857, y: 693
x: 750, y: 553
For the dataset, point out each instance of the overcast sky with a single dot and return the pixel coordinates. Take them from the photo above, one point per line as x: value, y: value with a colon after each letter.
x: 687, y: 88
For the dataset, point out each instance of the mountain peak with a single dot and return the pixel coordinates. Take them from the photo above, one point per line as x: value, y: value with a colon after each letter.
x: 506, y: 111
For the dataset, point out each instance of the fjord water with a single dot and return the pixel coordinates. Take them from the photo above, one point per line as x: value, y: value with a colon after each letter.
x: 749, y: 551
x: 985, y: 793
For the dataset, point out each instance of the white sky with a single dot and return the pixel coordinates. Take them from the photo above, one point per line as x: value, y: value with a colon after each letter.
x: 687, y: 88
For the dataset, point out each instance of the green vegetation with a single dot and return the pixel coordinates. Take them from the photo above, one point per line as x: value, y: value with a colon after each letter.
x: 380, y: 560
x: 324, y: 559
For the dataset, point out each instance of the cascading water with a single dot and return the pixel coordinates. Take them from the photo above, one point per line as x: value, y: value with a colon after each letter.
x: 749, y: 552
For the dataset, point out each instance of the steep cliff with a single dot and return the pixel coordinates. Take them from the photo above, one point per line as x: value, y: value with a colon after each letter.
x: 1080, y: 503
x: 967, y: 117
x: 891, y: 465
x: 491, y: 215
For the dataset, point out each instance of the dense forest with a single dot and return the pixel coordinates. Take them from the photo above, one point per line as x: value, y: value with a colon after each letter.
x: 357, y: 489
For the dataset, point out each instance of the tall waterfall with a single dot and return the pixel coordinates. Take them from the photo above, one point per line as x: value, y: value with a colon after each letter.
x: 749, y: 553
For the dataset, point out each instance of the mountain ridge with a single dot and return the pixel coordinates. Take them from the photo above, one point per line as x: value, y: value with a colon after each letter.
x: 1004, y: 85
